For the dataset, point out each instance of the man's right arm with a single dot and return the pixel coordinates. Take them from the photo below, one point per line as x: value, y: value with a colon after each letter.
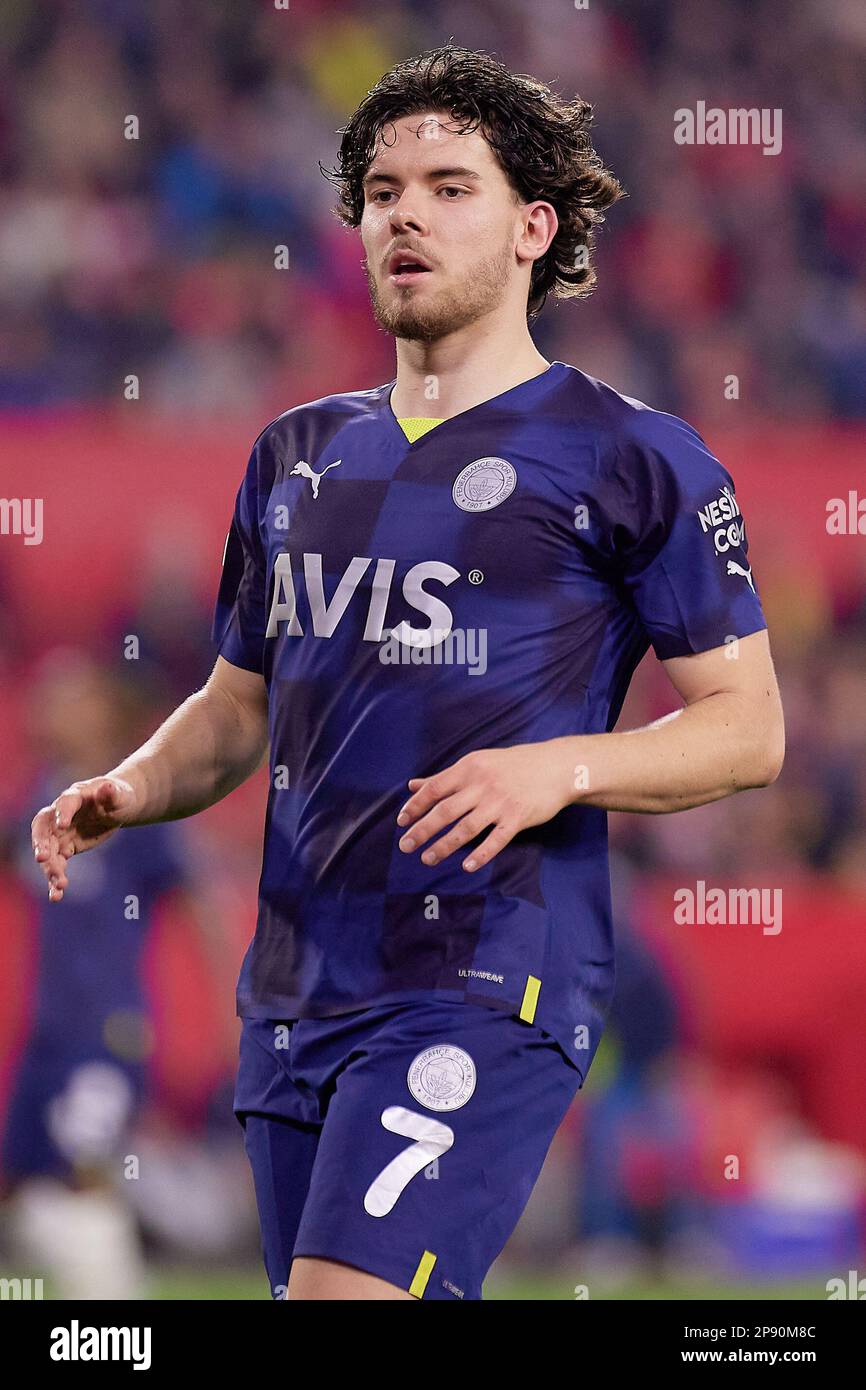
x: 210, y: 744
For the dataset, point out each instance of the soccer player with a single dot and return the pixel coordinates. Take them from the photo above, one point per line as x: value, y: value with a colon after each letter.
x: 434, y: 594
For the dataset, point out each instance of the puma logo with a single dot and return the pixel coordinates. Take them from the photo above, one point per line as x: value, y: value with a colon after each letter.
x: 734, y: 568
x: 303, y: 470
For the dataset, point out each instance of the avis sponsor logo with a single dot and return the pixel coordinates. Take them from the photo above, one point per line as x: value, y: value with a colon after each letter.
x: 325, y: 616
x: 77, y: 1343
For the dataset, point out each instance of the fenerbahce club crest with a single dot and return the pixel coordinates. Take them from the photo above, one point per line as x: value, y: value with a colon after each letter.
x: 442, y: 1078
x: 484, y: 484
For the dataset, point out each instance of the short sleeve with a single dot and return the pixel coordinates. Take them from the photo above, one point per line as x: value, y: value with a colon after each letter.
x: 239, y: 619
x: 677, y: 539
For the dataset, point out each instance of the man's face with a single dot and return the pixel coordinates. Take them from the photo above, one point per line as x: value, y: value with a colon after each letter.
x: 444, y: 197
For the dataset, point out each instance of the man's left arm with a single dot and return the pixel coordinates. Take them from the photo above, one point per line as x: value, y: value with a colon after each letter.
x: 728, y: 736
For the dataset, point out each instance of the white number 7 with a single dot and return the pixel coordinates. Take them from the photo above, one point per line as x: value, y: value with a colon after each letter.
x: 432, y: 1139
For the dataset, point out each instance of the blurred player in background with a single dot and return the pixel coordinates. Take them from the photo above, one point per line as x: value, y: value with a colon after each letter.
x: 80, y: 1077
x: 433, y: 960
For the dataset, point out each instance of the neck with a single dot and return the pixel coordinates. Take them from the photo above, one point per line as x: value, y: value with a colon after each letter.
x: 461, y: 370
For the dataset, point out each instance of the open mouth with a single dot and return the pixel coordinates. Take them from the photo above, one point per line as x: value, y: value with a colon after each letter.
x: 405, y: 268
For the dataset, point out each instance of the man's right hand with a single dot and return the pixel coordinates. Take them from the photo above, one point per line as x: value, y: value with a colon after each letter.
x: 80, y: 818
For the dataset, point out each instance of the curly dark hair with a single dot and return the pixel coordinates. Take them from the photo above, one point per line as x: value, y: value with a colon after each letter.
x: 542, y: 143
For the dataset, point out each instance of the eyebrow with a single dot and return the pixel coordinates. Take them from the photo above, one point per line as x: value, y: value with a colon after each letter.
x: 456, y: 171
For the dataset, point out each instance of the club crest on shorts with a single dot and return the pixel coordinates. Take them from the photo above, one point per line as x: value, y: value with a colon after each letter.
x: 484, y: 484
x: 442, y: 1077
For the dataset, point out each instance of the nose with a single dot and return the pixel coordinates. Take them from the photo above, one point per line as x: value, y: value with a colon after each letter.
x: 403, y: 219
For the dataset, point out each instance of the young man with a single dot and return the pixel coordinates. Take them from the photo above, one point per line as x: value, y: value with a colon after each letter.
x: 433, y: 960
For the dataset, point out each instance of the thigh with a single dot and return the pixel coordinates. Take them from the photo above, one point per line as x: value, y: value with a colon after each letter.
x: 321, y: 1280
x: 433, y: 1139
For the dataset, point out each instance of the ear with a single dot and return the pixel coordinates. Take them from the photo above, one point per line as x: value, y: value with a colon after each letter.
x: 539, y: 224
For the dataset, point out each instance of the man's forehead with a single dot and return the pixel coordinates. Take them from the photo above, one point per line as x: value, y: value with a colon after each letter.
x: 425, y: 132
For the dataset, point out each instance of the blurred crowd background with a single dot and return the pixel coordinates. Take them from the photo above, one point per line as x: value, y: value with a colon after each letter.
x: 154, y: 257
x: 156, y: 253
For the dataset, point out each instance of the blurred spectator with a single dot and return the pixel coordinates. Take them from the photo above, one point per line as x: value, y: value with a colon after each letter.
x: 155, y: 254
x: 80, y: 1075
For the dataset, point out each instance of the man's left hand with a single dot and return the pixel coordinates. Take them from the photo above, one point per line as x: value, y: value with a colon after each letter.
x: 509, y: 789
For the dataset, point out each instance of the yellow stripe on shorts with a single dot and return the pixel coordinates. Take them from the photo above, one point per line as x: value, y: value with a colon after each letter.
x: 422, y: 1274
x: 530, y: 999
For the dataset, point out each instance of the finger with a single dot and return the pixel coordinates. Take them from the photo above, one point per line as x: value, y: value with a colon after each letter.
x: 55, y: 891
x: 63, y: 845
x: 460, y: 835
x: 59, y: 880
x: 65, y: 807
x: 442, y: 814
x: 56, y: 874
x: 41, y: 831
x: 56, y: 867
x: 499, y: 837
x: 433, y: 789
x: 50, y: 856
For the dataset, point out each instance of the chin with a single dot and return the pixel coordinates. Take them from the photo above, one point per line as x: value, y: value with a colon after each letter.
x: 409, y: 320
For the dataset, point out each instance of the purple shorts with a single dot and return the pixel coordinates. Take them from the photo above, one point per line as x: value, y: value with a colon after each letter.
x: 402, y: 1139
